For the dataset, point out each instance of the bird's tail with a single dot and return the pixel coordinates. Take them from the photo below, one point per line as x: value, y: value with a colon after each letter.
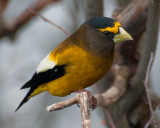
x: 27, y: 85
x: 26, y: 98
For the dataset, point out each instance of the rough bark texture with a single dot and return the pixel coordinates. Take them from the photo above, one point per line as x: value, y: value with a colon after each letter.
x: 84, y: 103
x: 84, y: 99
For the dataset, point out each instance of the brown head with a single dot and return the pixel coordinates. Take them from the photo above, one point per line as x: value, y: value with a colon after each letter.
x: 100, y: 34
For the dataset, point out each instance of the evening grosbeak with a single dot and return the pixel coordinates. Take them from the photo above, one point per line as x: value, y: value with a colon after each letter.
x: 79, y: 61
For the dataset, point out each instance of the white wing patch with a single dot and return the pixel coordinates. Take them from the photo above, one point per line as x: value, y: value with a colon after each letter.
x: 45, y: 64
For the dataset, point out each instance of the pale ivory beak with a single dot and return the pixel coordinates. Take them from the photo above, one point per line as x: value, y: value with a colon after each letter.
x: 122, y: 36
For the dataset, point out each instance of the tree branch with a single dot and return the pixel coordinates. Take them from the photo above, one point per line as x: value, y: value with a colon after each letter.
x: 10, y: 30
x: 63, y: 104
x: 83, y: 100
x: 85, y: 104
x: 147, y: 90
x: 45, y: 19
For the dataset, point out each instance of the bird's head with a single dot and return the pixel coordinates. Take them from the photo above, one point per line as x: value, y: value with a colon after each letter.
x: 110, y: 28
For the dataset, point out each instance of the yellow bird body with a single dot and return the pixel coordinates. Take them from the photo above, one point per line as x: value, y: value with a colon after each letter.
x: 79, y: 61
x: 81, y: 72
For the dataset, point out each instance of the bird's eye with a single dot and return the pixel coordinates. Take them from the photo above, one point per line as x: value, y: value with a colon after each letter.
x: 55, y: 70
x: 106, y: 33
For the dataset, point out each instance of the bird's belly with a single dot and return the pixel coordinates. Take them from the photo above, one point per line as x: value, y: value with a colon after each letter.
x: 77, y: 78
x: 83, y: 70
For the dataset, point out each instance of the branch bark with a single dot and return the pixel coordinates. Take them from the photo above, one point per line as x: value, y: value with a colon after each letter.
x: 83, y: 100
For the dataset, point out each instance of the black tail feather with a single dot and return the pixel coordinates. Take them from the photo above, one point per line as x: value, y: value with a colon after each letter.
x: 26, y: 85
x: 25, y: 98
x: 41, y: 78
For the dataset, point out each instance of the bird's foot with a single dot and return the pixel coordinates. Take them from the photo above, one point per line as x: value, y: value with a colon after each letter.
x: 93, y: 100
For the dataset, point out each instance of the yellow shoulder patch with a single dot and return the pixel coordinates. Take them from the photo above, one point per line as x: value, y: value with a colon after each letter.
x: 113, y: 29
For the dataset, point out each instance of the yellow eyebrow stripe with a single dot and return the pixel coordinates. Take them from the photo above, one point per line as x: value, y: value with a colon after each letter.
x: 113, y: 29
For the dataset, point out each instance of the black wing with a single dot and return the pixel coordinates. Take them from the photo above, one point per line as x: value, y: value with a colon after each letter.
x: 41, y: 78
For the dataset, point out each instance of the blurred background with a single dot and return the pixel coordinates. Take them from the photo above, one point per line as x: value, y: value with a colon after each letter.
x: 20, y: 55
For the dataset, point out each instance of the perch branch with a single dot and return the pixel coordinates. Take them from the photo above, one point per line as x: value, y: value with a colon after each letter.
x: 85, y: 103
x: 103, y: 99
x: 45, y: 19
x: 147, y: 90
x: 63, y: 104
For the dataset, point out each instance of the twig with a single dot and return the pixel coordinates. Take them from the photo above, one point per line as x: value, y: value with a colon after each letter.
x: 109, y: 118
x: 85, y: 103
x: 107, y: 113
x: 152, y: 116
x: 11, y: 29
x: 45, y: 19
x: 147, y: 90
x: 63, y: 104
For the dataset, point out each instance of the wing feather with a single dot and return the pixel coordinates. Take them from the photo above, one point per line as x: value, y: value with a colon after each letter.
x: 42, y: 78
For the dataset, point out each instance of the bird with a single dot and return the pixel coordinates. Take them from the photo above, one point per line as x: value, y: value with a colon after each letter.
x: 79, y: 61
